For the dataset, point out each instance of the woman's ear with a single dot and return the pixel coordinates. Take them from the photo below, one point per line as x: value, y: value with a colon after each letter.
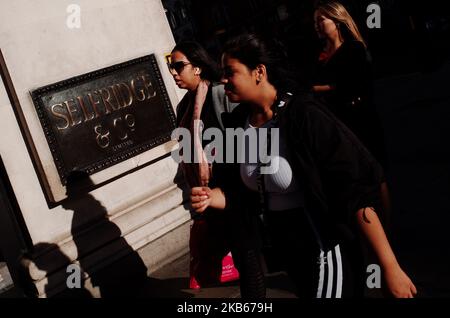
x: 197, y: 71
x: 261, y: 73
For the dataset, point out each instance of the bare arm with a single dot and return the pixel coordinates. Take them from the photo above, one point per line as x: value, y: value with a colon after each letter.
x: 398, y: 283
x: 204, y: 197
x: 322, y: 88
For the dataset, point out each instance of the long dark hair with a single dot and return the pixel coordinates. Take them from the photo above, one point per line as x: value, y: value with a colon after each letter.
x: 198, y: 56
x: 252, y: 50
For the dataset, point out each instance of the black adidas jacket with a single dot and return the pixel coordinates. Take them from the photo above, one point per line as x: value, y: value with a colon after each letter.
x: 338, y: 174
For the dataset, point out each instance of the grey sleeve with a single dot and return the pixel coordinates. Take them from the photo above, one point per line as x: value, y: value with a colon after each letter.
x: 221, y: 103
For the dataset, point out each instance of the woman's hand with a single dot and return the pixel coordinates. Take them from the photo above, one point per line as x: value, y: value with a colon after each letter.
x: 398, y: 283
x: 200, y: 198
x: 204, y: 197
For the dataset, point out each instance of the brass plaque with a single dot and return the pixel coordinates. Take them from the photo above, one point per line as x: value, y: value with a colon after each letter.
x: 98, y: 119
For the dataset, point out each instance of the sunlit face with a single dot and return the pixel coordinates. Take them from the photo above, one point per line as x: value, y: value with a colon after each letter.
x: 325, y: 27
x: 183, y: 71
x: 239, y: 80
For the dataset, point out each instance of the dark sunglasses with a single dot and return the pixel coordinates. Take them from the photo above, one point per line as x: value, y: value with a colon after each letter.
x: 177, y: 66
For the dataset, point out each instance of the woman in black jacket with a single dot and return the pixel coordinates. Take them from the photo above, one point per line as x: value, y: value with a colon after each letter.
x: 321, y: 186
x: 210, y: 241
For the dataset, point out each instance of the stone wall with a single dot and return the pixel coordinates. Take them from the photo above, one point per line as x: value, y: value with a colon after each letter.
x: 136, y: 202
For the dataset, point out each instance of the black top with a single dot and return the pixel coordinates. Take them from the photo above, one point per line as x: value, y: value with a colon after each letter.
x: 339, y: 175
x: 208, y: 116
x: 349, y: 70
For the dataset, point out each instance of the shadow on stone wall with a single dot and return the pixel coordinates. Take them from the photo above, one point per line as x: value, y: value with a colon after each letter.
x: 125, y: 277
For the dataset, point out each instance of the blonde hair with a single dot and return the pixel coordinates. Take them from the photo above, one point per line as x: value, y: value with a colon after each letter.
x: 335, y: 11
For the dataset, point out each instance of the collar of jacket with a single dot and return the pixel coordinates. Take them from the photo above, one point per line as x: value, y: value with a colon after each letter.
x: 238, y: 117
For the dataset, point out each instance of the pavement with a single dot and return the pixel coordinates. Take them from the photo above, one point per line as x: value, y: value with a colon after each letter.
x: 6, y: 284
x: 175, y: 278
x: 172, y: 281
x: 5, y: 278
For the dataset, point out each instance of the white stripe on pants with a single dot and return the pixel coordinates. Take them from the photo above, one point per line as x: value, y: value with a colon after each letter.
x: 332, y: 271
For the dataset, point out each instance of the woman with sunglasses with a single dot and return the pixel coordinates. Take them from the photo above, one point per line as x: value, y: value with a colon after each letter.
x: 212, y: 236
x: 323, y: 190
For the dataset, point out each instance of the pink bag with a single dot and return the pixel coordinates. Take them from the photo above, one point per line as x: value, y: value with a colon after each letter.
x: 229, y: 272
x: 207, y: 265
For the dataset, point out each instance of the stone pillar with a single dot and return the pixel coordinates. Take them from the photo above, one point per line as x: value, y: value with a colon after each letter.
x: 135, y: 214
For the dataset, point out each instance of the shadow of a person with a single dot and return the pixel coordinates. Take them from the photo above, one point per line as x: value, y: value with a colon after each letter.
x: 54, y: 283
x: 127, y: 275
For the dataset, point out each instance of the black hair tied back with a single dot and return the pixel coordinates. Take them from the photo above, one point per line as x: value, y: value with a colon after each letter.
x: 252, y: 50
